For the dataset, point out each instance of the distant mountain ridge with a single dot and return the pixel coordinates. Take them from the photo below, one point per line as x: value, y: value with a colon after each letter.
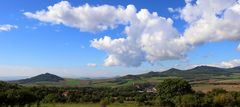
x: 47, y: 77
x: 203, y: 72
x: 200, y: 73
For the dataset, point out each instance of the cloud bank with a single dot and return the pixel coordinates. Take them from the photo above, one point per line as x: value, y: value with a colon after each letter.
x: 211, y: 20
x: 149, y: 37
x: 230, y: 64
x: 238, y: 48
x: 7, y: 27
x: 224, y: 64
x: 91, y: 65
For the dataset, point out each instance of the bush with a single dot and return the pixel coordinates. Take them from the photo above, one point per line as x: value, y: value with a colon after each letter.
x: 50, y: 98
x: 217, y: 91
x: 223, y: 100
x: 141, y: 99
x: 171, y: 88
x: 188, y: 100
x: 2, y: 98
x: 104, y: 102
x: 120, y: 99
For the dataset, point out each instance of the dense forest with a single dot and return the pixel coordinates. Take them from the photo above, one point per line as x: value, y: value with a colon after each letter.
x: 170, y: 92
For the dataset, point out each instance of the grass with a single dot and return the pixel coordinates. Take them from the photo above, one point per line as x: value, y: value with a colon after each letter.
x: 208, y: 87
x: 233, y: 76
x: 72, y: 82
x: 89, y: 105
x: 159, y: 79
x: 130, y: 82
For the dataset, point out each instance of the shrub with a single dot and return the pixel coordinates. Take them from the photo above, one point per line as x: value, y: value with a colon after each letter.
x: 223, y: 100
x: 104, y: 102
x: 171, y: 88
x: 188, y: 100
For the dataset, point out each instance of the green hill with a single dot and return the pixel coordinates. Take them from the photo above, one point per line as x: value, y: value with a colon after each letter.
x: 47, y: 77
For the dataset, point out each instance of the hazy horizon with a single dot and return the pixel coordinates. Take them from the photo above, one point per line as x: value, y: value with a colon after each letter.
x: 10, y: 78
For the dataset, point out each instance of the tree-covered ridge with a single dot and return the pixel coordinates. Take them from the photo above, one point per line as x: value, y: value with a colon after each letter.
x: 199, y: 72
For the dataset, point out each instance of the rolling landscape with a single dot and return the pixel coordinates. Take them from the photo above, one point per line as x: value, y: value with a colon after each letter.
x: 202, y: 78
x: 120, y: 53
x: 130, y: 90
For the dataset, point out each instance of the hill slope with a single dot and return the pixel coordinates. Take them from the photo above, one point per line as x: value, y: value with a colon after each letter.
x: 47, y: 77
x: 200, y: 73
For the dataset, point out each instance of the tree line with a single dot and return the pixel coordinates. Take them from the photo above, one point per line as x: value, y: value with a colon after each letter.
x: 170, y: 93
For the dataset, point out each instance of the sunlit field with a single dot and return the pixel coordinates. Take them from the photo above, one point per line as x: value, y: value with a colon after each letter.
x: 88, y: 105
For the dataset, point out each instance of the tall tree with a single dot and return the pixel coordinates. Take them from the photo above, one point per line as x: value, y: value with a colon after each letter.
x: 171, y: 88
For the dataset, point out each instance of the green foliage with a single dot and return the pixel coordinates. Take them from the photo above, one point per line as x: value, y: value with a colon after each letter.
x: 141, y: 99
x: 188, y: 100
x: 3, y: 97
x: 217, y: 91
x: 5, y: 86
x: 130, y: 104
x: 12, y: 94
x: 19, y: 97
x: 223, y: 100
x: 104, y: 102
x: 50, y: 98
x: 171, y: 88
x: 171, y: 92
x: 120, y: 99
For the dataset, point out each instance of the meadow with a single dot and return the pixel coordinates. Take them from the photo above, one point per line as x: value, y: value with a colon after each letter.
x: 90, y: 105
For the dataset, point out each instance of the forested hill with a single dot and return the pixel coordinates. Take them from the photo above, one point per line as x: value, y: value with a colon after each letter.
x: 200, y: 72
x: 47, y: 77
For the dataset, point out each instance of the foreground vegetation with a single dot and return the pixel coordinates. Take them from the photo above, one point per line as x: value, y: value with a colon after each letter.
x: 88, y: 105
x: 171, y: 92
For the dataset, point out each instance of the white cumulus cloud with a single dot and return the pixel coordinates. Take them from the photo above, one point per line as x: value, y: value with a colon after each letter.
x: 7, y: 27
x: 228, y: 64
x: 86, y: 17
x: 147, y: 40
x: 223, y: 64
x: 211, y: 20
x: 148, y: 36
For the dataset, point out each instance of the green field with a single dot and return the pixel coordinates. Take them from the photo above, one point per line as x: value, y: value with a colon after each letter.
x: 89, y: 105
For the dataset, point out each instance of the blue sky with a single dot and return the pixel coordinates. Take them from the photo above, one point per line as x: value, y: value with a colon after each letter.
x: 37, y: 46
